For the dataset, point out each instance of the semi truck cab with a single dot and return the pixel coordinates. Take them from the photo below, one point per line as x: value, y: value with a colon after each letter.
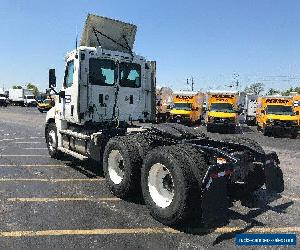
x: 178, y: 171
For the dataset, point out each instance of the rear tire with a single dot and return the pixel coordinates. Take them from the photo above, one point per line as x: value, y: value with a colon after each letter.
x: 171, y: 190
x: 122, y: 166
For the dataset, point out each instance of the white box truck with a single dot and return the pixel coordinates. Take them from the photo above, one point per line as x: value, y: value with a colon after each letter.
x: 22, y: 97
x: 250, y: 109
x: 3, y: 98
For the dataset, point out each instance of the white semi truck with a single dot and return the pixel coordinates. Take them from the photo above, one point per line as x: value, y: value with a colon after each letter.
x: 180, y: 173
x: 22, y: 97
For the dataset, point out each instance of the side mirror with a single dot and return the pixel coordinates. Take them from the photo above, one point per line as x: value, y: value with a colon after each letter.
x: 62, y: 94
x: 297, y: 112
x: 52, y: 78
x: 263, y: 112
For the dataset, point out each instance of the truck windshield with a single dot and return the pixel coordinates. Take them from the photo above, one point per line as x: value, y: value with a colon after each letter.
x: 183, y: 106
x: 280, y: 110
x: 130, y: 75
x: 222, y: 107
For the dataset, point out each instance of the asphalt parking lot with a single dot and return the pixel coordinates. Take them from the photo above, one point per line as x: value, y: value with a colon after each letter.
x: 65, y: 204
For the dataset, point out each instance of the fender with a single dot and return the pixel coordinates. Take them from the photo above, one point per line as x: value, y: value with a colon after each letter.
x: 50, y: 115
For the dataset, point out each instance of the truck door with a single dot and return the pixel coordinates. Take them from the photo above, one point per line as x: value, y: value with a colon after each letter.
x: 70, y: 86
x: 130, y: 96
x: 102, y: 88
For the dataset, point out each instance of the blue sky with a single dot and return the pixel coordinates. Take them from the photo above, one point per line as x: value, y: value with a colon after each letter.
x: 209, y: 40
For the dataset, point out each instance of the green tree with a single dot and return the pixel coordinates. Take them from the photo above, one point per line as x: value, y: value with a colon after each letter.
x: 17, y: 87
x: 288, y: 91
x: 255, y: 88
x: 272, y: 91
x: 33, y: 88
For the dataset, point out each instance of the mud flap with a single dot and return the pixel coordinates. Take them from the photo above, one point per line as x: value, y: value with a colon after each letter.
x: 215, y: 201
x: 273, y: 173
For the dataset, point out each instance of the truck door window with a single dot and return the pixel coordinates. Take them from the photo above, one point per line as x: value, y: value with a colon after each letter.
x: 102, y: 72
x: 130, y: 75
x: 69, y: 74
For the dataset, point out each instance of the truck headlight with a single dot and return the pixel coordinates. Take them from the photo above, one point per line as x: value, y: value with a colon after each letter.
x: 294, y: 122
x: 210, y: 118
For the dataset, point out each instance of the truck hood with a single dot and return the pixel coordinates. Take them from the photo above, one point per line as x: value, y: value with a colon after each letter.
x: 122, y: 33
x: 283, y: 117
x: 221, y: 114
x: 43, y: 105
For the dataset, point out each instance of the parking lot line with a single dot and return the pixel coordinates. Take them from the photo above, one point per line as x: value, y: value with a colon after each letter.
x: 149, y: 230
x: 32, y: 165
x: 51, y: 180
x: 25, y: 156
x: 35, y: 148
x: 103, y: 231
x: 29, y: 142
x: 293, y: 198
x: 56, y: 199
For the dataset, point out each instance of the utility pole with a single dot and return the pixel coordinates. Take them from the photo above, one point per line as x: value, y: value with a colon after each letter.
x: 192, y: 84
x: 236, y: 78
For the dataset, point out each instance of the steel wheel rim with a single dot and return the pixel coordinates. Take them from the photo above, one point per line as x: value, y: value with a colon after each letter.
x: 116, y: 166
x: 52, y: 140
x: 161, y: 185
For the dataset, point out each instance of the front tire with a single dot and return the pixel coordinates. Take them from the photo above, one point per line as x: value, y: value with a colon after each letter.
x: 52, y: 141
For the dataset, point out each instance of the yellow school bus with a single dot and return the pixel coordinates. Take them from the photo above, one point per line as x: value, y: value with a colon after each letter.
x: 296, y: 100
x: 187, y: 107
x: 222, y: 113
x: 275, y: 115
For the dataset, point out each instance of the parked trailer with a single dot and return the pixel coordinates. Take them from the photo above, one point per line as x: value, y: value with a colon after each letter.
x: 250, y: 109
x: 179, y: 171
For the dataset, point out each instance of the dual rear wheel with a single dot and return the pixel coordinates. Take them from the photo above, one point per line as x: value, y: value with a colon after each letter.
x: 167, y: 178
